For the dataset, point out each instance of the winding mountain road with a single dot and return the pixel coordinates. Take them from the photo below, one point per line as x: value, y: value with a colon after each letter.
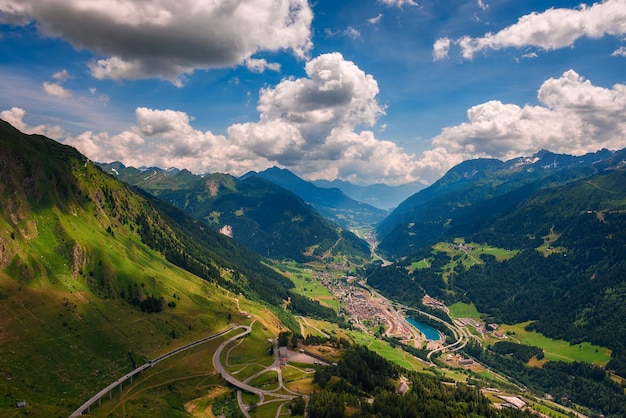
x: 219, y: 367
x: 119, y: 383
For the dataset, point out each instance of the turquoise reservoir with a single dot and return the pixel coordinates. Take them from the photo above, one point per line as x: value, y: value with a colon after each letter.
x: 430, y: 332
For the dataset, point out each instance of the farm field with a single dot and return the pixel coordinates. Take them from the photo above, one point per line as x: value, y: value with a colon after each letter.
x: 460, y: 252
x: 469, y: 253
x: 463, y: 310
x: 307, y: 285
x: 558, y: 350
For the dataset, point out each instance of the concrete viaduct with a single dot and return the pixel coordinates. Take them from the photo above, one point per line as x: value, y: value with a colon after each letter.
x: 119, y: 383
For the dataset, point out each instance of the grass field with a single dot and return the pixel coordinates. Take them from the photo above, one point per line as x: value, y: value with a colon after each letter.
x: 546, y: 248
x: 252, y: 349
x: 558, y: 350
x: 462, y: 253
x: 395, y: 355
x: 463, y: 310
x: 71, y: 336
x: 169, y: 388
x: 267, y: 380
x: 307, y: 285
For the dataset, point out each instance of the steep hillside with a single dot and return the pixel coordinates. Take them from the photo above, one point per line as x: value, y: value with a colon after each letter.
x: 95, y: 277
x: 332, y: 203
x: 566, y: 272
x: 475, y: 193
x: 267, y: 218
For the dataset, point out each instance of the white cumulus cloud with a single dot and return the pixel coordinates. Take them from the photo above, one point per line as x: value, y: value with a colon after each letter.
x: 441, y: 48
x: 15, y: 116
x: 619, y: 52
x: 57, y: 90
x: 310, y: 125
x: 553, y: 29
x: 574, y: 117
x: 374, y: 20
x: 61, y: 76
x: 165, y: 39
x: 260, y: 65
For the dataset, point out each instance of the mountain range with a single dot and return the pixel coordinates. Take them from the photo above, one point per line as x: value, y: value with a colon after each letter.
x: 474, y: 193
x: 380, y: 196
x: 332, y: 203
x: 271, y: 220
x: 97, y: 273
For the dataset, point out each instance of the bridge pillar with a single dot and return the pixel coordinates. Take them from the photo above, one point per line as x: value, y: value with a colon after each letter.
x: 110, y: 394
x: 99, y: 401
x: 121, y: 386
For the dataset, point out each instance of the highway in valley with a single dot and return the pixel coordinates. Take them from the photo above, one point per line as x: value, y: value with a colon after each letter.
x: 219, y: 367
x: 119, y: 383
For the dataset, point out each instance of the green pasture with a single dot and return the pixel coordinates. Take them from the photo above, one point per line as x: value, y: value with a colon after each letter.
x: 267, y: 380
x: 546, y: 410
x: 465, y: 254
x: 395, y: 355
x: 558, y: 350
x: 166, y: 388
x: 419, y: 265
x: 463, y: 310
x: 70, y: 341
x: 546, y: 248
x: 309, y: 329
x: 307, y: 285
x: 251, y: 349
x: 292, y: 373
x: 269, y: 410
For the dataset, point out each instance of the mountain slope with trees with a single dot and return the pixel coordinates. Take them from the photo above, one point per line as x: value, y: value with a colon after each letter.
x: 95, y: 276
x: 566, y: 273
x: 267, y: 218
x: 476, y: 193
x: 330, y: 202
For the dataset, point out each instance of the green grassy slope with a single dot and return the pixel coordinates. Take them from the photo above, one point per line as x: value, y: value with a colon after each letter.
x: 80, y: 254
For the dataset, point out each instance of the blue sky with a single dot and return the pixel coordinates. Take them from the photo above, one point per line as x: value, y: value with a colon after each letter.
x: 369, y: 91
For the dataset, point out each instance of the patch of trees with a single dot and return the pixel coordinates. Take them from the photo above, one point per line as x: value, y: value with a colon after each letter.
x: 134, y: 295
x: 360, y: 370
x: 297, y: 406
x: 341, y: 343
x: 151, y: 304
x: 395, y: 283
x: 576, y: 382
x: 283, y: 338
x: 227, y: 406
x: 302, y: 305
x: 363, y: 374
x: 519, y: 351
